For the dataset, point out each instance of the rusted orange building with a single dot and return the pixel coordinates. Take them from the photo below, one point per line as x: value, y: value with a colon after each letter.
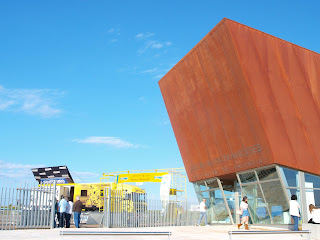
x: 245, y: 110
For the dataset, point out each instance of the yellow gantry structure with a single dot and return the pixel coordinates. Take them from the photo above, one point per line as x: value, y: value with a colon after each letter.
x: 178, y: 189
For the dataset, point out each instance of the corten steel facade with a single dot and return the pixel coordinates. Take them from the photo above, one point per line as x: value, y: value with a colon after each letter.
x: 245, y: 110
x: 242, y: 99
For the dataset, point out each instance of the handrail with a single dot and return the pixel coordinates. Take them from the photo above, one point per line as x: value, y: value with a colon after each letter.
x: 269, y: 232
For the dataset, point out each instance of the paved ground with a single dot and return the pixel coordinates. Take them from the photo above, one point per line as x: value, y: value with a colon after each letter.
x: 178, y: 233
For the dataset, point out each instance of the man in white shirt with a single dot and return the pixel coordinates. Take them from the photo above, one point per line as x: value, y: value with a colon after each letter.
x: 203, y: 212
x: 294, y: 211
x: 69, y: 213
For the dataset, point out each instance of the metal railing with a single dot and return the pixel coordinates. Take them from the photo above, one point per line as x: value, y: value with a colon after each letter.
x: 125, y: 210
x: 25, y: 205
x: 231, y: 233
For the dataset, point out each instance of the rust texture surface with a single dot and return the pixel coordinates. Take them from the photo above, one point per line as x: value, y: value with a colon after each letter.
x: 242, y: 99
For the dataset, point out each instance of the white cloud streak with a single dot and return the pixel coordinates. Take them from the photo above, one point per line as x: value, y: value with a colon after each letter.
x: 109, y: 141
x: 144, y: 35
x: 150, y: 44
x: 156, y: 73
x: 114, y: 31
x: 16, y: 170
x: 40, y: 102
x: 151, y: 70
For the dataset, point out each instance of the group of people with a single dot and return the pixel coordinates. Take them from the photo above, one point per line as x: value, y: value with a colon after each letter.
x: 65, y: 208
x: 294, y: 211
x: 243, y: 208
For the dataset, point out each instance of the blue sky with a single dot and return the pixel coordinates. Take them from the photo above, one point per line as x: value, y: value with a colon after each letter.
x: 79, y: 79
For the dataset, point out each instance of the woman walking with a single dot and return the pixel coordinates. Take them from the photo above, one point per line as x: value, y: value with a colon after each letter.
x: 245, y: 213
x: 294, y: 211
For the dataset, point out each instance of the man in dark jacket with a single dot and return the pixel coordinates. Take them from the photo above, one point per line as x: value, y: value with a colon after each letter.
x: 77, y: 208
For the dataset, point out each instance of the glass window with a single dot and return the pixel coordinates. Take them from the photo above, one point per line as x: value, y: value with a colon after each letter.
x: 200, y: 186
x: 200, y: 196
x: 217, y: 211
x: 247, y: 177
x: 312, y: 181
x: 83, y: 193
x: 267, y: 174
x: 291, y: 177
x: 313, y: 197
x: 277, y: 201
x: 257, y: 206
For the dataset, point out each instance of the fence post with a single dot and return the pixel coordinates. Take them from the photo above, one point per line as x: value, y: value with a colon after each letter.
x: 108, y: 209
x: 53, y: 206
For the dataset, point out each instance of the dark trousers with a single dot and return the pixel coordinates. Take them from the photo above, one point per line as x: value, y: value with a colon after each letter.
x: 62, y: 219
x: 58, y: 218
x: 68, y: 217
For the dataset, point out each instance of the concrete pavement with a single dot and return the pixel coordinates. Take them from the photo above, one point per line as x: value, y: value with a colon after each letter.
x: 217, y: 232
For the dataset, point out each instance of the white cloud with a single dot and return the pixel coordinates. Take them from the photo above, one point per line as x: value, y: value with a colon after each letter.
x: 39, y: 102
x: 16, y: 170
x: 141, y: 99
x: 151, y: 70
x: 158, y: 76
x: 154, y: 44
x: 156, y: 72
x: 114, y: 31
x: 144, y: 35
x: 109, y: 141
x: 150, y: 44
x: 111, y: 30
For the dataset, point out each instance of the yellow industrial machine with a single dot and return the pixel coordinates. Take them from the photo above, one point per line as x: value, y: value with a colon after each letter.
x: 92, y: 194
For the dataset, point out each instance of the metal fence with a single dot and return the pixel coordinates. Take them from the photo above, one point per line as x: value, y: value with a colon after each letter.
x: 26, y: 205
x: 30, y: 205
x: 123, y: 210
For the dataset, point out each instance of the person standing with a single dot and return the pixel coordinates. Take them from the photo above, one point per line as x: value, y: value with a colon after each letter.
x: 245, y: 213
x: 56, y: 213
x: 294, y: 211
x: 77, y: 208
x: 69, y: 213
x: 62, y: 209
x: 203, y: 212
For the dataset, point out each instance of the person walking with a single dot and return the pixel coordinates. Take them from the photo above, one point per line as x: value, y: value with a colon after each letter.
x: 245, y: 213
x: 62, y: 209
x: 69, y: 213
x: 294, y: 211
x: 203, y: 212
x: 77, y: 208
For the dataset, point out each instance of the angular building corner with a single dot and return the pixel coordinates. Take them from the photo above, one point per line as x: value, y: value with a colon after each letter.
x: 245, y: 110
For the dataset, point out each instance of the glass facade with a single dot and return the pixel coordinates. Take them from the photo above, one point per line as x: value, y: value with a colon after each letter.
x: 268, y: 189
